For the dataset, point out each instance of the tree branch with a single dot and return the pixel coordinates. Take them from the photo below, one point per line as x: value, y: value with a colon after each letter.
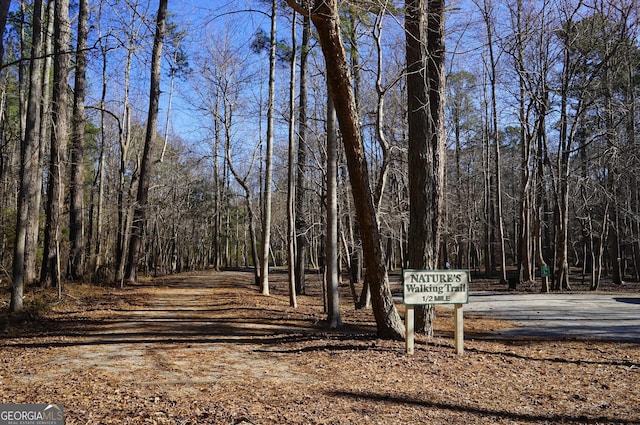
x: 306, y: 12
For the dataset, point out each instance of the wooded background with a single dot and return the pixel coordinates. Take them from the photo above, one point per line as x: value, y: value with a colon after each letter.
x: 139, y: 138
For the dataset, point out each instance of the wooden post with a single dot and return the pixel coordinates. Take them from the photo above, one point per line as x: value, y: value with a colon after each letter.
x: 458, y: 321
x: 409, y: 324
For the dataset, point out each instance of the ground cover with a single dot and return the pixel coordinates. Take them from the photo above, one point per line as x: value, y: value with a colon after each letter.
x: 207, y: 348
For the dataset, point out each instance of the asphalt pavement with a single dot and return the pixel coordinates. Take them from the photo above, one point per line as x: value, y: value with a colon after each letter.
x: 611, y: 317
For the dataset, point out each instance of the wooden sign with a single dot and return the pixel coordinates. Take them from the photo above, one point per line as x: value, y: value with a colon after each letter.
x: 422, y: 287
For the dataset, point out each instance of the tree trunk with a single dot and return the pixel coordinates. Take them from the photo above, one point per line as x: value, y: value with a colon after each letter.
x: 22, y: 69
x: 331, y: 236
x: 327, y: 22
x: 28, y: 153
x: 540, y: 190
x: 615, y: 251
x: 526, y: 236
x: 266, y: 208
x: 291, y: 184
x: 381, y: 137
x: 125, y: 140
x: 487, y: 11
x: 244, y: 183
x: 97, y: 206
x: 301, y: 222
x: 50, y: 272
x: 76, y: 195
x: 139, y: 215
x: 635, y: 190
x: 561, y: 266
x: 424, y: 31
x: 31, y: 251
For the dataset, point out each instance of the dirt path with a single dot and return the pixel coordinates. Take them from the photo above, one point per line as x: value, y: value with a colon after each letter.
x: 183, y: 330
x: 198, y: 349
x: 179, y: 336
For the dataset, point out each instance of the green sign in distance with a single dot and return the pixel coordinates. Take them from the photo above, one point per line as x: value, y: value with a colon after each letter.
x: 422, y: 287
x: 545, y: 271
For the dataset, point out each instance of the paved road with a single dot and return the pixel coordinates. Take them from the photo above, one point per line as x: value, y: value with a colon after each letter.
x: 594, y: 316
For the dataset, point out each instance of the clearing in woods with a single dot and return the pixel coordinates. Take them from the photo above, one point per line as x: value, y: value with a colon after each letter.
x: 207, y: 348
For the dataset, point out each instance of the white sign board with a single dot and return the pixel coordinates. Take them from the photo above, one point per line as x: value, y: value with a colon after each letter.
x: 421, y: 287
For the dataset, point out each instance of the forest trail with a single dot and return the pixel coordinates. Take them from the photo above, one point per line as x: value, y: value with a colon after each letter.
x: 207, y: 348
x: 188, y: 329
x: 177, y: 335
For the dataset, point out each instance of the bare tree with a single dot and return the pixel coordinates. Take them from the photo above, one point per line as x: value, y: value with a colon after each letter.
x: 243, y: 181
x: 268, y: 171
x: 178, y: 66
x: 28, y: 154
x: 327, y: 21
x: 31, y: 250
x: 331, y: 235
x: 291, y: 183
x: 150, y: 135
x: 487, y: 11
x: 301, y: 223
x: 381, y: 137
x: 530, y: 50
x: 76, y: 191
x: 50, y: 271
x: 525, y: 237
x: 96, y: 212
x: 424, y: 31
x: 126, y: 141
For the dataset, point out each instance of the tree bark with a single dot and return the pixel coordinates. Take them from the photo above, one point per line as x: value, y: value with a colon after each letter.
x: 97, y: 206
x: 384, y: 145
x: 28, y: 154
x: 76, y: 195
x: 266, y: 210
x: 525, y: 237
x: 291, y: 184
x: 487, y: 11
x: 327, y: 22
x: 31, y: 250
x: 50, y: 271
x: 331, y: 252
x: 139, y: 215
x: 424, y: 29
x: 301, y: 222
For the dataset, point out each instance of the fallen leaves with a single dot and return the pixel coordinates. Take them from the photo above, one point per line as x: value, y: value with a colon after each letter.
x: 209, y: 349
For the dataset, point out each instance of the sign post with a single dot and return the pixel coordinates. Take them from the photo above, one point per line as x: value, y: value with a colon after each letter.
x: 425, y: 287
x: 409, y: 321
x: 458, y: 333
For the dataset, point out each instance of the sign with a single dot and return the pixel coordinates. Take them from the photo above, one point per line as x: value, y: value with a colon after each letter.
x: 421, y: 287
x: 31, y: 414
x: 545, y: 271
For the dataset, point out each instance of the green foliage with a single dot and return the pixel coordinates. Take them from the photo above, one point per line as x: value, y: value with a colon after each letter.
x: 262, y: 41
x: 174, y: 50
x: 600, y: 48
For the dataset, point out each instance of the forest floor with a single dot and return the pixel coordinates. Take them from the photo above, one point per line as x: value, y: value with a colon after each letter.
x: 207, y: 348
